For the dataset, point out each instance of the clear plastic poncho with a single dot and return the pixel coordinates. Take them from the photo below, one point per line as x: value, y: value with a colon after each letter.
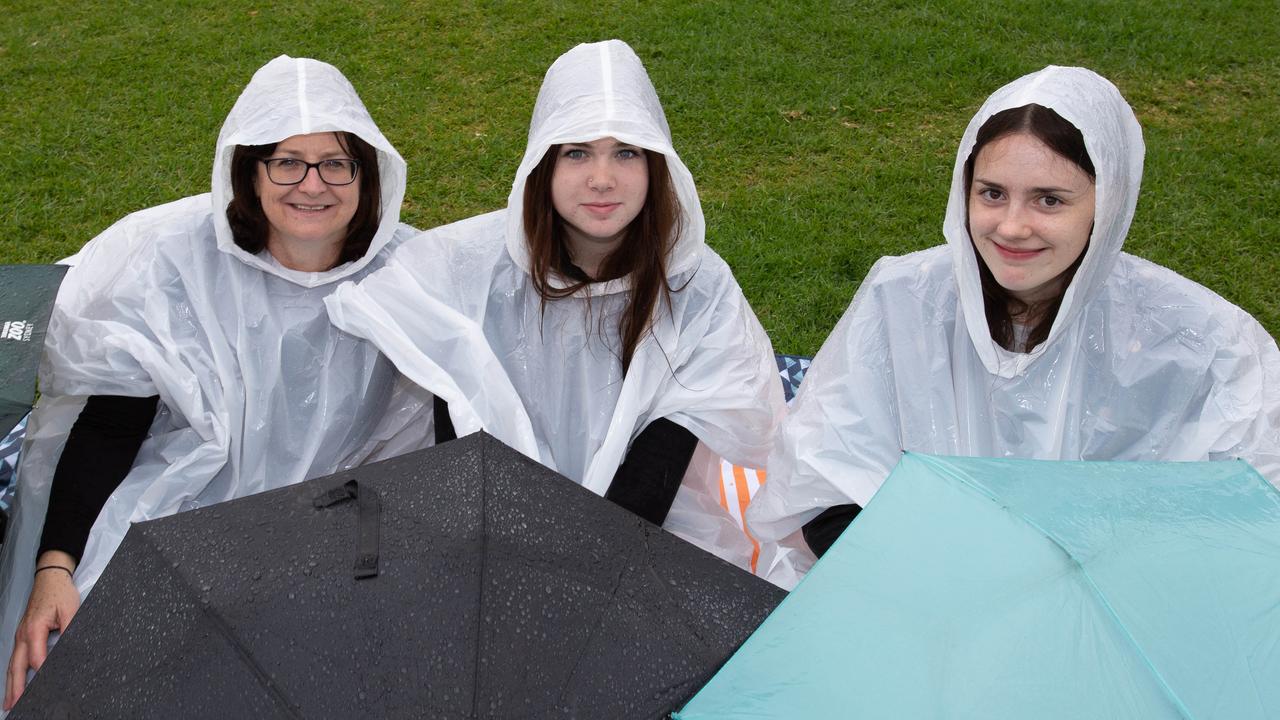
x: 257, y: 389
x: 457, y: 312
x: 1141, y: 363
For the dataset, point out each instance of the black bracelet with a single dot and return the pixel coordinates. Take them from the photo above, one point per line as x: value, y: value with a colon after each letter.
x: 67, y: 570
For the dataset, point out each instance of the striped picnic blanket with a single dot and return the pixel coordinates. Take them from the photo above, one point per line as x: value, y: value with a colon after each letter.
x: 739, y: 484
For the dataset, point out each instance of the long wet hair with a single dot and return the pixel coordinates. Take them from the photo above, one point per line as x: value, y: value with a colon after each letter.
x: 249, y: 225
x: 642, y: 255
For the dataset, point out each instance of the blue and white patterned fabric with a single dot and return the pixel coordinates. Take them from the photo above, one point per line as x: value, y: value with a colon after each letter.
x: 8, y: 464
x: 792, y: 369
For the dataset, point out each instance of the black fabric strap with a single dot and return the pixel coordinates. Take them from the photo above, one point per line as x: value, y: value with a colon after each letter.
x: 647, y: 481
x: 821, y: 532
x: 100, y: 450
x: 444, y: 423
x: 368, y: 534
x: 368, y: 523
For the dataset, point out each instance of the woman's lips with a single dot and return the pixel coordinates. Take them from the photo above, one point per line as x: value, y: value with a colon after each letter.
x: 1009, y: 253
x: 601, y: 209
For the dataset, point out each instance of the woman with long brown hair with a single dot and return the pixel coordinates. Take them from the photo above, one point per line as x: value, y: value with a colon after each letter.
x: 588, y: 324
x: 1029, y: 334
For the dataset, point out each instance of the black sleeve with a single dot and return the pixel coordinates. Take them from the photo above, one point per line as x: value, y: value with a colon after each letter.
x: 444, y: 423
x: 821, y: 532
x: 99, y: 453
x: 649, y: 476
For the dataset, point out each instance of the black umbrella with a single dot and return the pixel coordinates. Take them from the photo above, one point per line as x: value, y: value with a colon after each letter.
x: 464, y: 581
x: 26, y: 300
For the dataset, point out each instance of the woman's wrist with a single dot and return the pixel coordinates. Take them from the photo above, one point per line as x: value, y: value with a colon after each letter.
x: 56, y: 560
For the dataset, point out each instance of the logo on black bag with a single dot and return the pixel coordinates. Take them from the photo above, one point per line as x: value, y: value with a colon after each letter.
x: 19, y: 330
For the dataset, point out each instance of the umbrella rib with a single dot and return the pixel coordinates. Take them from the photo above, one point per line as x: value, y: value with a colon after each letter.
x: 225, y: 631
x: 1111, y: 612
x: 662, y: 584
x: 1093, y: 587
x: 484, y: 562
x: 613, y: 594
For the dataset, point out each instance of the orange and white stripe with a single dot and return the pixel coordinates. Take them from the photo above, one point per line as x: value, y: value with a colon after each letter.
x: 737, y: 486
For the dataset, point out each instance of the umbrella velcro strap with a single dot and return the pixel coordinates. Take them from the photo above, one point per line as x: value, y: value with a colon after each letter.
x: 368, y: 522
x: 369, y: 512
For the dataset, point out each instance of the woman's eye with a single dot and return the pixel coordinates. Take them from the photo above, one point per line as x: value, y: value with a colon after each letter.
x: 629, y: 153
x: 287, y: 163
x: 334, y: 164
x: 574, y: 154
x: 990, y: 194
x: 1050, y: 201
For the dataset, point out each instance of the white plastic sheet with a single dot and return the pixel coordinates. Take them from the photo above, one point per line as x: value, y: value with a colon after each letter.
x: 456, y: 310
x: 1141, y: 363
x: 258, y: 390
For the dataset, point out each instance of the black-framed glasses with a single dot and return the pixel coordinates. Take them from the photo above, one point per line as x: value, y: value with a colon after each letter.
x: 291, y: 171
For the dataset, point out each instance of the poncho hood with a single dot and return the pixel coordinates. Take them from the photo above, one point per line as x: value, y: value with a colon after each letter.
x: 296, y: 96
x: 594, y: 91
x: 1113, y: 139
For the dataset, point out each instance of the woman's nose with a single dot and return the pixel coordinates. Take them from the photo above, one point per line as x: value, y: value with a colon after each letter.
x: 1014, y: 223
x: 311, y: 182
x: 601, y: 177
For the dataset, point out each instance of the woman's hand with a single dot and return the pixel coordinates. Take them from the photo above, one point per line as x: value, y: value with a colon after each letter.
x: 53, y: 602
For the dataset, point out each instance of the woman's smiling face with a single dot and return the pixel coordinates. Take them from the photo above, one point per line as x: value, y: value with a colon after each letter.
x: 312, y: 212
x: 1030, y: 214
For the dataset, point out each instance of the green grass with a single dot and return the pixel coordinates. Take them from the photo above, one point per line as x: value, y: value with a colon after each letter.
x: 821, y: 134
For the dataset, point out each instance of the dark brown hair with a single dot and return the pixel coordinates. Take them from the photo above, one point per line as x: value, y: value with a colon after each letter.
x: 249, y: 226
x: 1066, y: 140
x: 642, y: 254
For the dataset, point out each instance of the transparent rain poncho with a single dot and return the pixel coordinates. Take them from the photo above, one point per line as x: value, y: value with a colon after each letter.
x: 1141, y: 363
x: 257, y: 389
x: 457, y: 312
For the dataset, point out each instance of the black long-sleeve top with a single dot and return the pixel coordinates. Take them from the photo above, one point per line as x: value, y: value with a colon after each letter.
x: 821, y: 532
x: 100, y: 450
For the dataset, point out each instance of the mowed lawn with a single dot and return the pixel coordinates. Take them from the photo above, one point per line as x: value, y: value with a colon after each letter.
x: 821, y: 134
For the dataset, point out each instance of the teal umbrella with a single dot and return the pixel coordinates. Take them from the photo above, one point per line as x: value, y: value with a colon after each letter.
x: 982, y: 588
x: 26, y: 301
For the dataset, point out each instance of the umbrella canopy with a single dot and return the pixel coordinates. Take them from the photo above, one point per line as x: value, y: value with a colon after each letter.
x: 979, y: 588
x: 26, y: 300
x: 463, y: 581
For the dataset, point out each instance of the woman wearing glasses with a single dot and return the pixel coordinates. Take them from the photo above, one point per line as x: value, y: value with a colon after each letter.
x: 191, y: 349
x: 588, y: 324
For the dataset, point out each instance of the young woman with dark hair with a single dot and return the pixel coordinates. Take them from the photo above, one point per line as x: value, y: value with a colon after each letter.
x: 190, y: 359
x: 1017, y: 318
x: 1029, y: 334
x: 588, y: 324
x: 639, y: 251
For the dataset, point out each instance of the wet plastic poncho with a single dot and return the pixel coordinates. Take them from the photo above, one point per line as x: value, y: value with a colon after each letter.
x: 1140, y: 363
x: 457, y: 312
x: 257, y: 389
